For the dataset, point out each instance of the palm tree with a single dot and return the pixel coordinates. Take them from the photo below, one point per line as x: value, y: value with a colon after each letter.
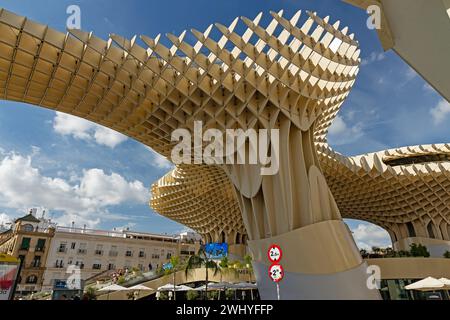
x: 175, y: 262
x: 249, y: 268
x: 200, y: 260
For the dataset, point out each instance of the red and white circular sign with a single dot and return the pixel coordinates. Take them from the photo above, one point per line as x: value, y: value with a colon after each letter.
x: 274, y: 253
x: 276, y: 272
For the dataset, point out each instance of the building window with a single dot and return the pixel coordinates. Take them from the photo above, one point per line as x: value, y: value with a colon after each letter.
x: 128, y: 253
x: 25, y: 244
x: 72, y: 245
x: 96, y: 266
x: 31, y: 279
x: 141, y: 254
x: 36, y: 262
x: 27, y: 228
x: 62, y: 247
x: 99, y: 250
x: 82, y: 248
x: 155, y: 256
x: 59, y: 263
x: 111, y: 266
x: 40, y: 245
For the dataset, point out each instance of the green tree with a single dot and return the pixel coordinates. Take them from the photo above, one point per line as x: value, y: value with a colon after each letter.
x: 418, y: 250
x: 447, y: 254
x: 201, y: 260
x: 363, y: 253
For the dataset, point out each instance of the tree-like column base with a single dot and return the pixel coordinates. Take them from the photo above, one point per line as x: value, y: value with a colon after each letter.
x: 320, y: 261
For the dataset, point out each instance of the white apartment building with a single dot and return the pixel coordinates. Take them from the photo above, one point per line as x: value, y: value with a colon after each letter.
x: 98, y: 251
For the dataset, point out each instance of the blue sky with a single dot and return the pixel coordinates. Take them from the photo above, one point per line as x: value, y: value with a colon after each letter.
x: 42, y: 153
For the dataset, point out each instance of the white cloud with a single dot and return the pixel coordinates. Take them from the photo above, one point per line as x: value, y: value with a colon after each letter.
x: 108, y: 137
x: 410, y: 73
x: 4, y: 219
x: 373, y: 57
x: 340, y: 133
x: 79, y: 128
x: 440, y: 111
x: 85, y: 199
x: 66, y: 124
x: 368, y: 235
x: 111, y: 189
x: 427, y: 88
x: 159, y: 161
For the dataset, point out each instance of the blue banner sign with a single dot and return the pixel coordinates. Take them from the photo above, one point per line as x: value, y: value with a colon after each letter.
x: 216, y: 250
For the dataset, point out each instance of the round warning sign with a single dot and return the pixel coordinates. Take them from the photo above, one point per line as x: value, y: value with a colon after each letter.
x: 274, y: 253
x: 276, y: 272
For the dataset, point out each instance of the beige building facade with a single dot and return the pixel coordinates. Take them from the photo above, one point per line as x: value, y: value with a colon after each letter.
x: 29, y: 239
x: 97, y: 252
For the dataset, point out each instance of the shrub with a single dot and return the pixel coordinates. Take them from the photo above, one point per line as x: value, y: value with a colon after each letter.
x: 121, y: 280
x: 213, y: 295
x: 447, y: 254
x: 90, y: 294
x: 229, y: 294
x: 163, y: 295
x: 192, y: 295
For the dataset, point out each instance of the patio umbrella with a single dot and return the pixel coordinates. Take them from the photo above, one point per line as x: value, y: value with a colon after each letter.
x: 139, y: 288
x: 245, y: 286
x: 113, y: 287
x: 167, y: 287
x: 446, y: 283
x: 216, y: 286
x: 170, y: 287
x: 183, y: 288
x: 427, y: 284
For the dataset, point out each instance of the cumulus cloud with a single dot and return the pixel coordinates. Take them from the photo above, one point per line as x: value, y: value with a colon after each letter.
x: 340, y: 133
x: 373, y: 57
x: 87, y: 199
x: 440, y: 111
x: 79, y: 128
x: 368, y: 235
